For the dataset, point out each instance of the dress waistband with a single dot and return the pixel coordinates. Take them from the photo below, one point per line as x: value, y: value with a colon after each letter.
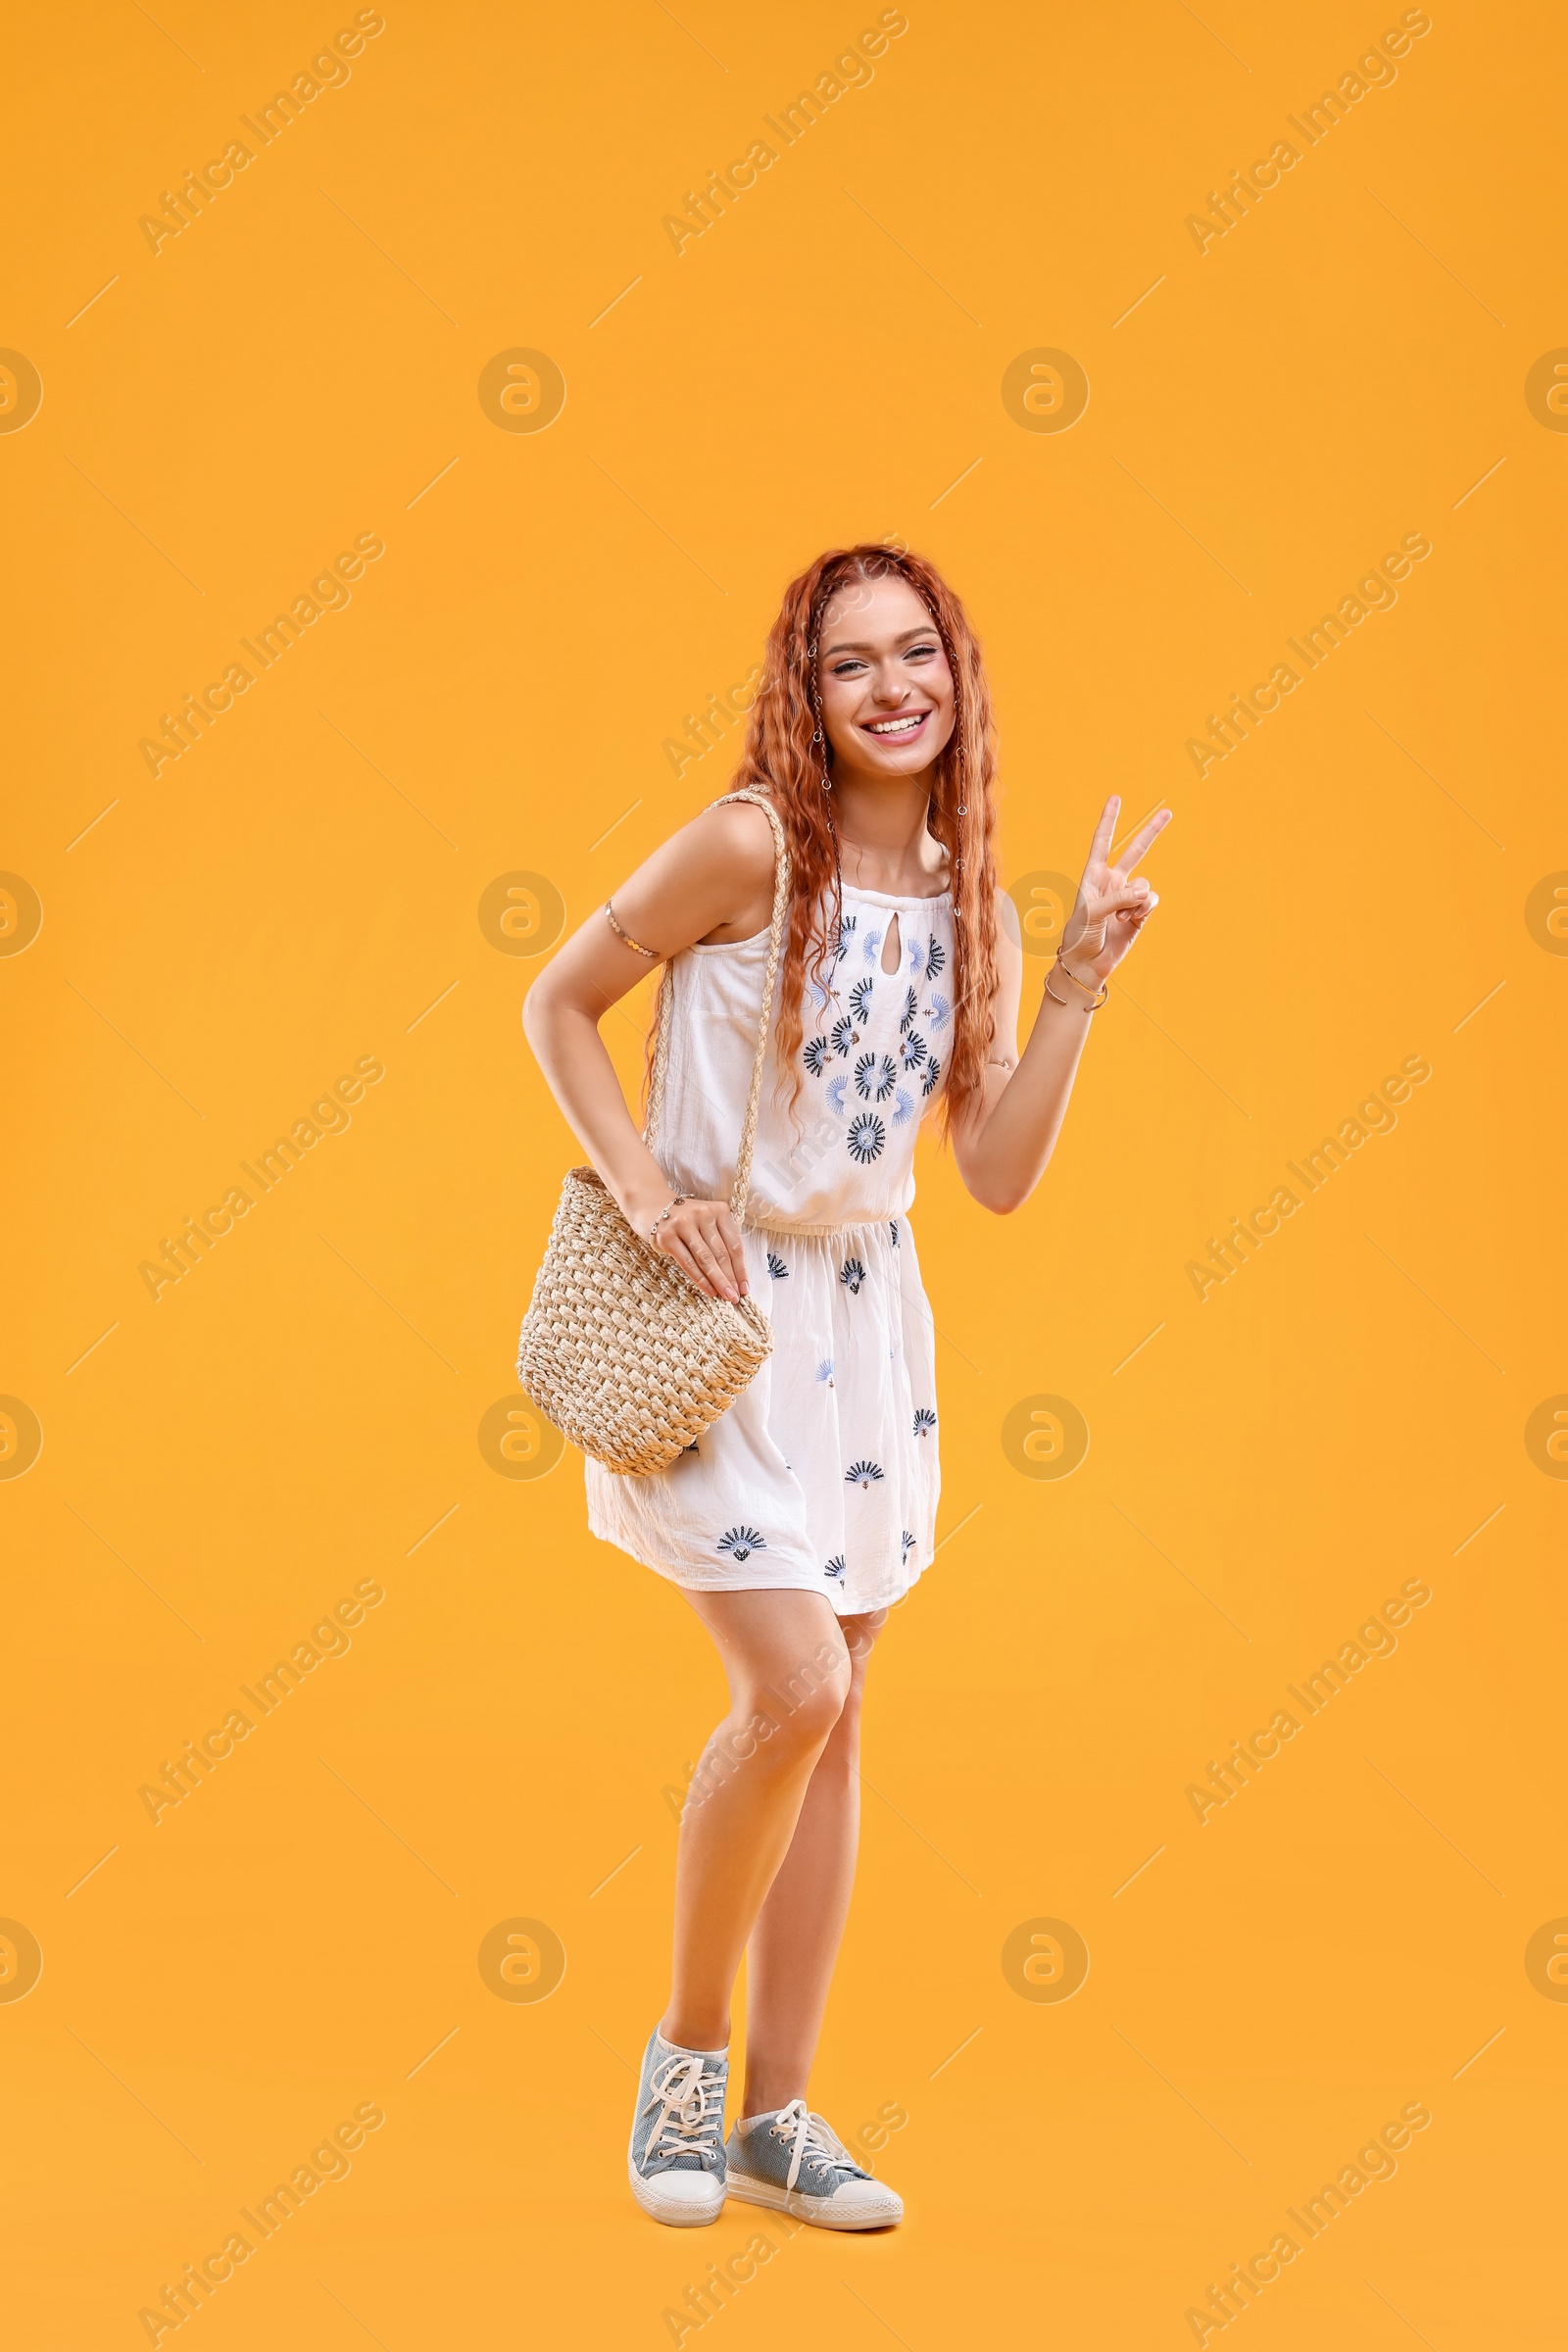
x: 812, y: 1232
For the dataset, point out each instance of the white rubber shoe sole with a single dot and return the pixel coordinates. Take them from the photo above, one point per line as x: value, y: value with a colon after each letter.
x: 861, y: 2205
x: 684, y: 2200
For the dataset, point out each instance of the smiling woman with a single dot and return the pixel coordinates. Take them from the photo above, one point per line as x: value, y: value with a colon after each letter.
x: 799, y: 1516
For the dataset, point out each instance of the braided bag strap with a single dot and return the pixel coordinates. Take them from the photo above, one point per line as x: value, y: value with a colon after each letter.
x: 664, y: 1010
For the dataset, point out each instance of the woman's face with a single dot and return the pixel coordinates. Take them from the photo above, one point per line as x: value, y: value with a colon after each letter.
x: 883, y: 679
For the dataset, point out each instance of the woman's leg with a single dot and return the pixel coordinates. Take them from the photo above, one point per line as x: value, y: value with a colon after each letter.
x: 795, y: 1943
x: 789, y: 1671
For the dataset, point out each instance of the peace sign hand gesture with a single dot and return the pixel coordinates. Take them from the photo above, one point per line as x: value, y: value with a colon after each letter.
x: 1111, y: 907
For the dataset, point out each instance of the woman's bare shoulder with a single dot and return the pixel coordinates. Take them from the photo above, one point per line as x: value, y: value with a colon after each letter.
x: 734, y: 835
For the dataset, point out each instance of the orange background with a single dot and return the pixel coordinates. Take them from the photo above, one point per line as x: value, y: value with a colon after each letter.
x: 300, y: 890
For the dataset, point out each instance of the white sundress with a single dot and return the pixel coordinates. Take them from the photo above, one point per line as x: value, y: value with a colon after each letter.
x: 823, y: 1475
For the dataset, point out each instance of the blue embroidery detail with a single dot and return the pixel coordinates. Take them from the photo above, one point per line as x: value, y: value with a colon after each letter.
x: 867, y: 1137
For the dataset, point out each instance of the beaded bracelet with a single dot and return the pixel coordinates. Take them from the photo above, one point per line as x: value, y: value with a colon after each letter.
x: 675, y: 1200
x: 626, y: 938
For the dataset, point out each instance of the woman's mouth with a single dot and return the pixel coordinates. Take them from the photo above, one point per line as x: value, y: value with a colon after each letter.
x: 902, y: 728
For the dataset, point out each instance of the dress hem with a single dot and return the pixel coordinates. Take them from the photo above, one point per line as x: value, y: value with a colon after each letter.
x: 782, y: 1583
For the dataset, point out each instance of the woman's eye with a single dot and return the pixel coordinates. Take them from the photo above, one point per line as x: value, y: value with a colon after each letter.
x: 846, y: 670
x: 921, y: 653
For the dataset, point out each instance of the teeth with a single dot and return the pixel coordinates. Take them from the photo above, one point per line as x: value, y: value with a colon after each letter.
x: 896, y: 726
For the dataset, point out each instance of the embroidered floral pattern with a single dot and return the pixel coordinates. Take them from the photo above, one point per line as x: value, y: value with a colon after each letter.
x: 874, y: 1051
x: 866, y: 1138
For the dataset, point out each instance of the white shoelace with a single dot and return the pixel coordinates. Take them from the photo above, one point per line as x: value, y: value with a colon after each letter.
x: 815, y: 2142
x: 692, y: 2114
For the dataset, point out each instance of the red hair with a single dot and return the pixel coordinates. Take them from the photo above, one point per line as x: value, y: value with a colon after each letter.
x: 782, y: 760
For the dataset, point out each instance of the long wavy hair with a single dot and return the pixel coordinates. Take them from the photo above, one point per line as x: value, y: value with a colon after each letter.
x: 786, y: 756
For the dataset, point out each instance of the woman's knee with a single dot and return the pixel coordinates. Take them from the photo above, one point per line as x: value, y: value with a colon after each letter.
x: 804, y: 1708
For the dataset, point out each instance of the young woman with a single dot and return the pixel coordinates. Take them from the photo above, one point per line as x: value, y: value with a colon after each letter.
x: 809, y: 1506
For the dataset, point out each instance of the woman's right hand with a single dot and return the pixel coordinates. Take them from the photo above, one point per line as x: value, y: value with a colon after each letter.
x: 705, y: 1241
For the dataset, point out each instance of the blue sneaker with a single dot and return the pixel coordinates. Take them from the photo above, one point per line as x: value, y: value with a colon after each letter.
x: 675, y: 2162
x: 791, y: 2162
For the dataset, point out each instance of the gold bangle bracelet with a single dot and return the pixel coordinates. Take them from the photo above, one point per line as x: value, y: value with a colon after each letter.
x: 626, y: 938
x: 1069, y: 974
x: 1097, y: 1000
x: 1092, y: 1006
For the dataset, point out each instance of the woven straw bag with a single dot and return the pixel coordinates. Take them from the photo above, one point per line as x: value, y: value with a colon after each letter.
x: 619, y: 1349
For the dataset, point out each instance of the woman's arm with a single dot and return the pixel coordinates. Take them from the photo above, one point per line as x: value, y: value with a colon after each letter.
x: 1004, y: 1144
x: 712, y: 881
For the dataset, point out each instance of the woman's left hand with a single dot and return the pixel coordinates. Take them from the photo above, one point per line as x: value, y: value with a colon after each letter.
x: 1111, y: 907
